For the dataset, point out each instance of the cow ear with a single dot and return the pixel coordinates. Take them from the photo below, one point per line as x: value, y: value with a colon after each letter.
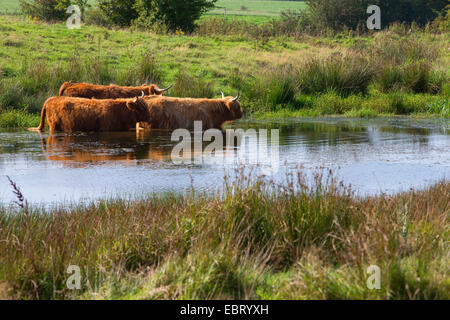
x: 132, y: 104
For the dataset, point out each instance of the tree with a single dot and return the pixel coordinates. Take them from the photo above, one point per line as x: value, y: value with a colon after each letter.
x: 174, y: 14
x: 83, y: 4
x: 118, y: 12
x: 420, y: 11
x: 337, y: 14
x: 46, y: 10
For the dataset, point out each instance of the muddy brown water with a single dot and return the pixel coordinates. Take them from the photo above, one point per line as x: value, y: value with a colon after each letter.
x: 375, y: 155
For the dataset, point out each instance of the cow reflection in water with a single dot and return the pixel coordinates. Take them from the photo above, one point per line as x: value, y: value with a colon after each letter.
x: 136, y: 148
x: 80, y: 151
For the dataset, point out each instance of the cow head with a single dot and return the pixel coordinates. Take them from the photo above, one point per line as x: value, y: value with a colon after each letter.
x: 154, y: 90
x: 139, y: 106
x: 233, y: 105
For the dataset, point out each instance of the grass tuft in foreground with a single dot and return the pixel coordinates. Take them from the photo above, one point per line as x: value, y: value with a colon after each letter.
x: 251, y: 241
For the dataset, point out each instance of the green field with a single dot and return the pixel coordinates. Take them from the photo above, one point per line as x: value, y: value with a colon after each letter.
x: 233, y: 7
x: 280, y: 77
x: 9, y: 6
x: 256, y: 7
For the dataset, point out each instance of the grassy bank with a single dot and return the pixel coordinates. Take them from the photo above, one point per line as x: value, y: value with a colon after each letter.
x: 390, y: 72
x: 375, y: 104
x: 251, y: 241
x: 18, y: 119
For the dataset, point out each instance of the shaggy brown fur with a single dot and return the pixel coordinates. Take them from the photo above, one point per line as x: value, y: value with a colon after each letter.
x: 174, y: 113
x: 87, y: 90
x: 79, y: 114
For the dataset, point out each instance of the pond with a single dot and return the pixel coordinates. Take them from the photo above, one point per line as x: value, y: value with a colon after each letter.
x: 383, y: 155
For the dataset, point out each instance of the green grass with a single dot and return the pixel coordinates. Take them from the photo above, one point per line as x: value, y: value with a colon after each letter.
x: 18, y: 119
x: 374, y: 104
x: 9, y: 6
x: 319, y: 75
x: 254, y: 19
x: 251, y: 241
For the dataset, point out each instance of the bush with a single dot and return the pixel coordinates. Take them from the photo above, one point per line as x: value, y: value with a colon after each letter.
x: 175, y: 14
x: 292, y: 22
x: 46, y: 10
x: 83, y: 5
x: 118, y: 12
x: 418, y: 11
x: 442, y: 22
x: 340, y: 14
x: 337, y: 14
x: 96, y: 17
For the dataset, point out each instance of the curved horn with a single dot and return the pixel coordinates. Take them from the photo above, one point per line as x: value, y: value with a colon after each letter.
x: 142, y: 94
x: 164, y: 90
x: 223, y: 94
x: 237, y: 97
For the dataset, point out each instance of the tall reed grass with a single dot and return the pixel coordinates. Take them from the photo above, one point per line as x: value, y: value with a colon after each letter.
x: 407, y: 64
x: 38, y: 80
x: 344, y: 75
x: 252, y: 240
x: 194, y: 87
x: 383, y: 72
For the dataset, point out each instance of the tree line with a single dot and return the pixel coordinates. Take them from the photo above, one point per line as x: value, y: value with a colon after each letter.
x: 181, y: 15
x: 170, y: 14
